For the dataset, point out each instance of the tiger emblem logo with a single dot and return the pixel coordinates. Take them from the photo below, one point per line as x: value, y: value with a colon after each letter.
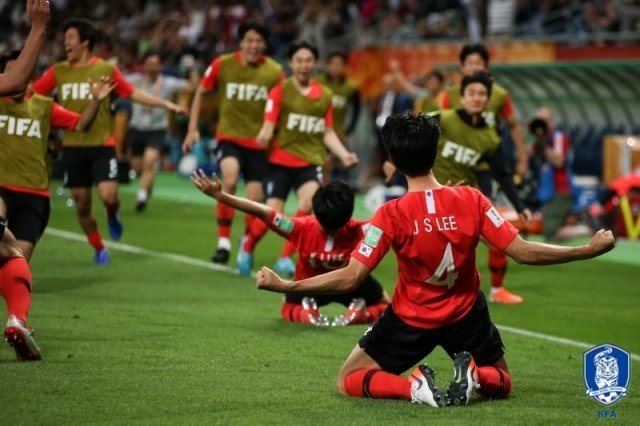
x: 606, y: 372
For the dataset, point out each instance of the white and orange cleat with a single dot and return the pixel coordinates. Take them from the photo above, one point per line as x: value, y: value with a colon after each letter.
x: 21, y: 339
x: 504, y: 296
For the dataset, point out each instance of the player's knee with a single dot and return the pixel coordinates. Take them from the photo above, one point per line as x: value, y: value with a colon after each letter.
x: 83, y: 208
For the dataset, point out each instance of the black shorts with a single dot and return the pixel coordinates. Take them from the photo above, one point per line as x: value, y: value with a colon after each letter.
x: 280, y: 179
x: 370, y: 290
x: 253, y: 162
x: 84, y: 166
x: 139, y: 140
x: 397, y: 346
x: 28, y: 214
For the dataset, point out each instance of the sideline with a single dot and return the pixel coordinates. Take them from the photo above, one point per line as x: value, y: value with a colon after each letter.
x: 208, y: 265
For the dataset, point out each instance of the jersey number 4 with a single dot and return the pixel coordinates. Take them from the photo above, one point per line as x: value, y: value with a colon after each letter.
x: 446, y: 273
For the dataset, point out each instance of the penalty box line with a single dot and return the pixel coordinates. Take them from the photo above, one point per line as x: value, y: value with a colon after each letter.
x: 222, y: 268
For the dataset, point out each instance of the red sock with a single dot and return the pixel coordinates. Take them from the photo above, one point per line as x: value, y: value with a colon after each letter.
x: 15, y: 287
x: 374, y: 311
x: 293, y: 312
x: 256, y: 231
x: 224, y: 214
x: 96, y: 241
x: 372, y: 383
x: 289, y: 248
x: 248, y: 220
x: 494, y: 382
x: 498, y: 266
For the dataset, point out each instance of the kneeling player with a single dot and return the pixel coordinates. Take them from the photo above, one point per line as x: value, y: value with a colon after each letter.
x: 324, y: 242
x: 434, y: 231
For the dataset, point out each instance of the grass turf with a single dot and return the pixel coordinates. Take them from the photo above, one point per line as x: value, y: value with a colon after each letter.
x: 149, y: 340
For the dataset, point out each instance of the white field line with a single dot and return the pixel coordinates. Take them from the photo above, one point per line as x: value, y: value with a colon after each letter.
x: 208, y: 265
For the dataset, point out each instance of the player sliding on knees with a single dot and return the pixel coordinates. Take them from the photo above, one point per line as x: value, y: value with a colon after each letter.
x: 324, y: 242
x: 434, y: 231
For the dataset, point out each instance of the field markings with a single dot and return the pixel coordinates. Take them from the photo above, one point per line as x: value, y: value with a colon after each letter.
x: 208, y: 265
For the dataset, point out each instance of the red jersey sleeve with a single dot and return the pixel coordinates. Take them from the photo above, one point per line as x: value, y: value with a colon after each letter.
x: 444, y: 101
x: 210, y: 78
x: 507, y: 109
x: 493, y: 227
x: 287, y: 227
x: 272, y: 108
x: 123, y: 88
x: 46, y: 83
x: 63, y: 118
x: 328, y: 116
x: 377, y: 241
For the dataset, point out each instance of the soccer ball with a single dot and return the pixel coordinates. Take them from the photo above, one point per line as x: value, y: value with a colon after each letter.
x: 188, y: 164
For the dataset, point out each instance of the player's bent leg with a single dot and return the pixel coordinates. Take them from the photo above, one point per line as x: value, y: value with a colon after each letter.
x: 149, y: 161
x: 494, y: 380
x: 108, y: 193
x: 9, y: 246
x: 82, y: 199
x: 26, y: 247
x: 230, y: 170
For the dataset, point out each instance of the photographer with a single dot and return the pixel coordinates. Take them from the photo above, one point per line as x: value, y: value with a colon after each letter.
x: 549, y: 162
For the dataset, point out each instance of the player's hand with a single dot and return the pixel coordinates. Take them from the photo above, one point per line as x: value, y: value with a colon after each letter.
x: 454, y: 185
x: 177, y: 109
x: 206, y: 186
x: 38, y: 12
x: 526, y: 217
x: 389, y: 170
x: 349, y: 160
x: 601, y: 242
x: 189, y: 139
x: 266, y: 279
x: 101, y: 89
x: 264, y: 136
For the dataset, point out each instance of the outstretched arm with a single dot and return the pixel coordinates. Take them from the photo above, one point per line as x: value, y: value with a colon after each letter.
x: 339, y: 281
x: 15, y: 81
x: 214, y: 190
x: 332, y: 141
x: 410, y: 88
x: 146, y: 98
x: 532, y: 253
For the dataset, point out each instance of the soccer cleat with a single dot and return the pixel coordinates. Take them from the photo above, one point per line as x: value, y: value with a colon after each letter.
x: 424, y: 389
x: 285, y: 266
x: 115, y: 227
x: 21, y: 339
x: 356, y: 314
x: 101, y: 257
x: 311, y: 315
x: 140, y: 206
x: 465, y: 379
x: 221, y: 256
x: 505, y: 296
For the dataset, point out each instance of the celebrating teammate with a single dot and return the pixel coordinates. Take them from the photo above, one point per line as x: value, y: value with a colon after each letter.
x: 24, y: 195
x: 324, y: 242
x: 15, y: 81
x: 90, y: 157
x: 244, y: 79
x: 300, y: 108
x: 434, y: 231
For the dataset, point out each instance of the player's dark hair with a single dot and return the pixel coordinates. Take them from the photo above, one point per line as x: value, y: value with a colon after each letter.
x: 411, y: 140
x: 302, y: 44
x: 481, y: 77
x: 333, y: 205
x: 437, y: 74
x: 470, y: 49
x: 7, y: 57
x: 338, y: 54
x: 86, y: 30
x: 245, y: 27
x: 152, y: 52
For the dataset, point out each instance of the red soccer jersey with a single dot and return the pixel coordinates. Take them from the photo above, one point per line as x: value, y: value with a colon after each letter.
x: 317, y: 252
x: 434, y: 234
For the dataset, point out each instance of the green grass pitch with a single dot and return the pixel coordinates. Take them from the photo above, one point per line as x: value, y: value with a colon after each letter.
x: 156, y: 340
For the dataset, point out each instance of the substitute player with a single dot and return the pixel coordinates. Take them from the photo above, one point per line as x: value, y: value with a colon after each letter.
x: 24, y: 195
x: 89, y: 158
x: 300, y: 108
x: 243, y: 80
x: 324, y: 242
x: 473, y: 58
x: 434, y: 231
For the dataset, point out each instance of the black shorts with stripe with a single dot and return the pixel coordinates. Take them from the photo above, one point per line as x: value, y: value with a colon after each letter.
x: 27, y: 214
x: 397, y: 346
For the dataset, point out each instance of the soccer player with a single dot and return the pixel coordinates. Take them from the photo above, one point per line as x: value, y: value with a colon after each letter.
x: 475, y: 57
x: 243, y: 80
x: 15, y: 81
x: 148, y: 126
x: 434, y: 231
x: 324, y: 241
x: 300, y: 108
x: 90, y: 157
x: 24, y: 195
